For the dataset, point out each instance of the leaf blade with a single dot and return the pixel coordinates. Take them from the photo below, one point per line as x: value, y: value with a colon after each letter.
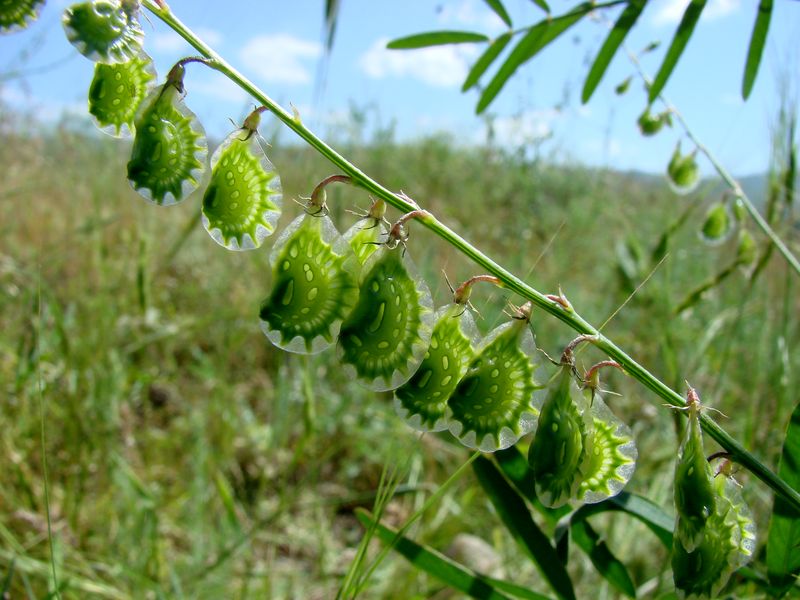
x: 436, y: 38
x: 485, y: 60
x: 515, y: 516
x: 783, y: 549
x: 757, y: 41
x: 443, y: 568
x: 500, y: 11
x: 685, y: 29
x: 608, y: 565
x: 639, y: 507
x: 610, y: 46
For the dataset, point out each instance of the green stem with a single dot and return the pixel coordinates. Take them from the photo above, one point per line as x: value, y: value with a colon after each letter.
x: 509, y: 280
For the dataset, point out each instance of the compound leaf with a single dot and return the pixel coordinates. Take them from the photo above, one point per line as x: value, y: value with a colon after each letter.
x: 757, y: 41
x: 436, y: 38
x: 538, y: 37
x: 690, y: 18
x: 515, y: 515
x: 610, y: 46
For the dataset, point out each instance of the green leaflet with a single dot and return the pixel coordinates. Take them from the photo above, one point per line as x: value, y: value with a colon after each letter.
x: 18, y: 14
x: 106, y: 31
x: 314, y: 276
x: 242, y: 202
x: 727, y: 543
x: 422, y: 400
x: 559, y: 447
x: 117, y: 91
x: 610, y: 456
x: 383, y: 341
x: 683, y: 173
x: 365, y: 236
x: 695, y: 498
x: 494, y: 403
x: 169, y: 149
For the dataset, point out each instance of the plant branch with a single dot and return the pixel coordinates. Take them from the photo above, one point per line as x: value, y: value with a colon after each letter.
x: 564, y: 313
x: 729, y: 180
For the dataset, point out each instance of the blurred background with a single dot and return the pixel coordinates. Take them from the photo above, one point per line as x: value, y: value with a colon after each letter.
x: 188, y: 458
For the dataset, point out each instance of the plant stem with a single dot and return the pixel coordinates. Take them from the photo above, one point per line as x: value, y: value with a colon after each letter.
x: 509, y: 280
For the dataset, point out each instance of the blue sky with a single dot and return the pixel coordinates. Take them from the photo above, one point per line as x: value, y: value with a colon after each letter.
x: 279, y: 46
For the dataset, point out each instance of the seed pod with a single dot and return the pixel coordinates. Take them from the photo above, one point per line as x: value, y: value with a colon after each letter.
x: 650, y: 124
x: 727, y: 543
x: 384, y: 339
x: 494, y: 403
x: 610, y: 455
x: 117, y: 91
x: 695, y: 499
x: 18, y: 14
x: 169, y: 149
x: 314, y: 275
x: 106, y: 31
x: 422, y: 400
x: 242, y: 202
x: 746, y: 250
x: 683, y: 173
x: 717, y: 226
x: 559, y: 447
x: 703, y: 571
x: 366, y: 235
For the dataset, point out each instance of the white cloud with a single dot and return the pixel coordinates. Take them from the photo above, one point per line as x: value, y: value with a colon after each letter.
x: 669, y: 12
x: 526, y: 127
x: 171, y: 42
x: 471, y: 13
x: 280, y: 58
x: 439, y: 66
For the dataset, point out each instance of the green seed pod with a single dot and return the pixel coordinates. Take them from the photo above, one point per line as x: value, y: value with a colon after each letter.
x: 683, y: 174
x: 623, y: 86
x: 365, y: 236
x: 650, y: 124
x: 703, y: 571
x: 18, y: 14
x: 728, y: 543
x: 559, y: 447
x: 242, y: 202
x: 610, y: 456
x: 494, y: 404
x: 314, y: 286
x: 717, y: 226
x: 746, y: 250
x: 117, y: 91
x: 383, y: 341
x: 695, y: 499
x: 422, y: 400
x: 106, y: 31
x: 169, y: 149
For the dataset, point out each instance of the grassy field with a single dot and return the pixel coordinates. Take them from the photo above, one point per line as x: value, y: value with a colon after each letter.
x: 188, y: 458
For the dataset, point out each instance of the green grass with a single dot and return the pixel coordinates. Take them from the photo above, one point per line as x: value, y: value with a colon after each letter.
x: 188, y: 458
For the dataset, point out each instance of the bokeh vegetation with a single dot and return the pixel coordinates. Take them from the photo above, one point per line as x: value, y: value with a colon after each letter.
x: 188, y: 458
